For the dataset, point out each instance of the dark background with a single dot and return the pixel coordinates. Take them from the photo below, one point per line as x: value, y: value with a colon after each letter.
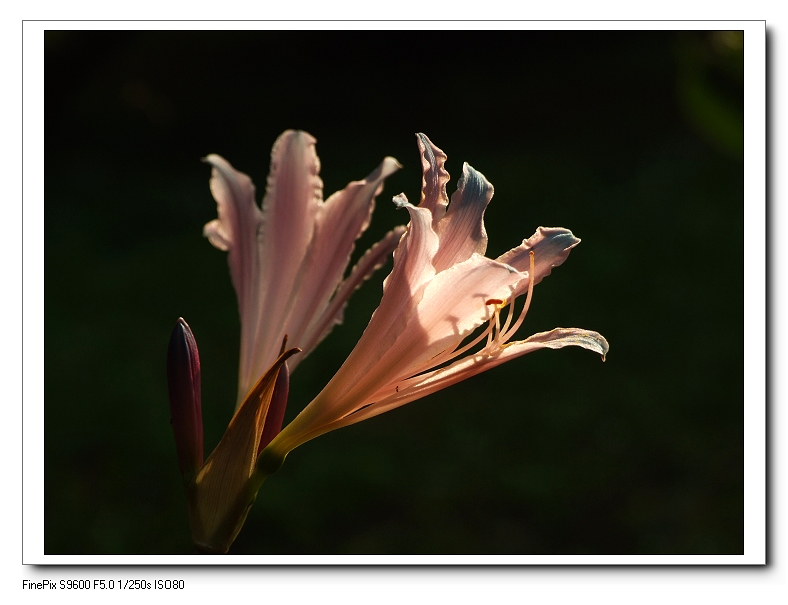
x: 631, y: 139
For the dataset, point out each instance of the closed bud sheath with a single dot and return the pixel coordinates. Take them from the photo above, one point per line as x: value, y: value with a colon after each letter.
x: 276, y: 411
x: 183, y: 377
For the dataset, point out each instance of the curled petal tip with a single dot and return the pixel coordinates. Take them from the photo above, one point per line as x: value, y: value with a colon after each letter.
x: 290, y: 352
x: 301, y: 135
x: 423, y: 140
x: 386, y: 168
x: 392, y: 163
x: 604, y: 346
x: 562, y: 337
x: 559, y: 234
x: 400, y: 200
x: 212, y: 159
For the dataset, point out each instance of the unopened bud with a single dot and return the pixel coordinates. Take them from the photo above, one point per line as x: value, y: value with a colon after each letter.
x: 183, y: 377
x: 276, y: 411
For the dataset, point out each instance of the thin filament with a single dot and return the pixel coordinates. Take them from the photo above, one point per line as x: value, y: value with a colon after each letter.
x: 447, y: 355
x: 508, y: 316
x: 498, y: 308
x: 495, y: 302
x: 528, y: 296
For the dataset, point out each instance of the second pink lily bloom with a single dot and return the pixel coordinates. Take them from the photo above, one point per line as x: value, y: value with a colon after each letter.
x: 287, y: 260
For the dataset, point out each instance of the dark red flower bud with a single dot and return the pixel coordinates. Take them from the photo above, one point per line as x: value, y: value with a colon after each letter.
x: 183, y: 377
x: 276, y: 411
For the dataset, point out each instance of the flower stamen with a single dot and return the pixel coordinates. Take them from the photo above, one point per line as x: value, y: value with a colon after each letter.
x: 449, y: 355
x: 495, y: 316
x: 508, y: 321
x: 527, y: 304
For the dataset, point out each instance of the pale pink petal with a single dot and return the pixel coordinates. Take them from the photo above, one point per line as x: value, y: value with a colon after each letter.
x: 454, y: 304
x: 216, y: 234
x: 551, y: 247
x: 461, y: 230
x: 236, y: 230
x: 557, y: 338
x: 409, y: 277
x: 373, y: 259
x: 434, y: 179
x: 290, y: 205
x: 339, y: 222
x: 426, y: 384
x: 417, y: 249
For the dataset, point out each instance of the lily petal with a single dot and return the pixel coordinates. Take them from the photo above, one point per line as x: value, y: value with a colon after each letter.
x: 426, y: 384
x: 236, y: 231
x: 370, y: 262
x: 287, y: 260
x: 557, y: 338
x: 455, y: 304
x: 292, y: 199
x: 409, y: 277
x: 551, y: 247
x: 339, y: 222
x: 461, y: 230
x: 434, y: 179
x: 405, y: 286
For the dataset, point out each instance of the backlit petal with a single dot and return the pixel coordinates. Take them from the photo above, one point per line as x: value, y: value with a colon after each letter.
x: 370, y: 262
x: 551, y: 246
x: 236, y: 230
x: 434, y: 381
x: 411, y: 274
x: 404, y: 289
x: 339, y: 222
x: 453, y: 306
x: 434, y: 179
x: 291, y: 203
x: 461, y: 230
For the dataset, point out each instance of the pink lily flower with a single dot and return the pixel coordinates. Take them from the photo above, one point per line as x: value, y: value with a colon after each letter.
x: 441, y: 291
x: 287, y: 260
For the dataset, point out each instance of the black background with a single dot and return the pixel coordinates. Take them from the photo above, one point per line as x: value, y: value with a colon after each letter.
x: 631, y: 139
